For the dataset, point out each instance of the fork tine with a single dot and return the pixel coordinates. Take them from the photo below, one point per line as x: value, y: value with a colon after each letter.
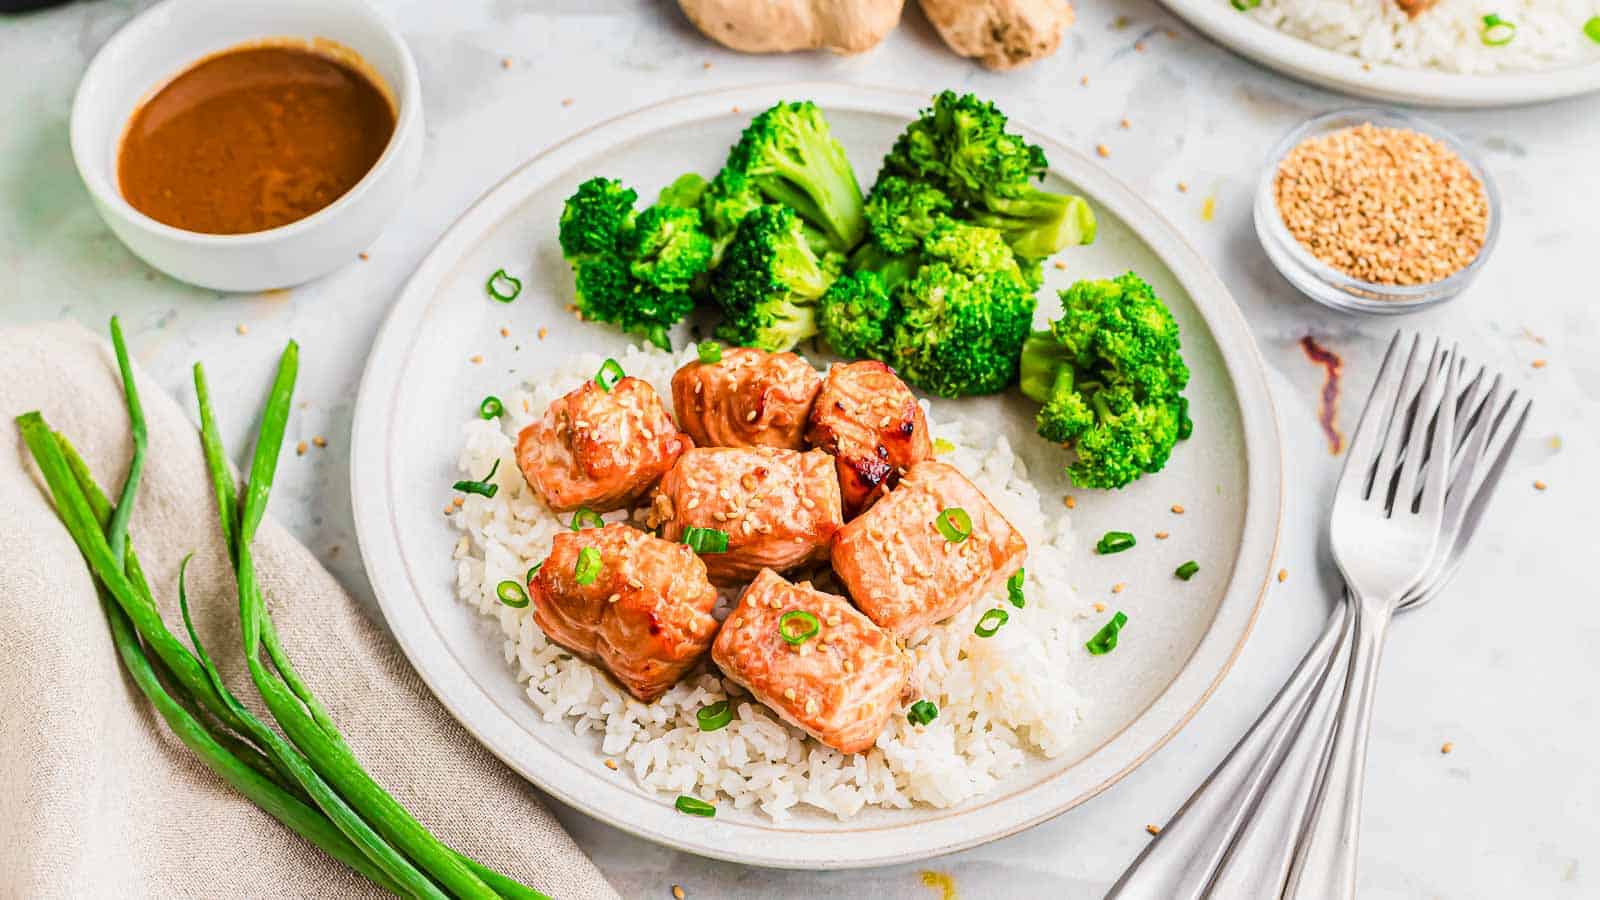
x: 1464, y: 465
x: 1387, y: 465
x: 1360, y: 456
x: 1436, y: 477
x: 1429, y: 407
x: 1503, y: 433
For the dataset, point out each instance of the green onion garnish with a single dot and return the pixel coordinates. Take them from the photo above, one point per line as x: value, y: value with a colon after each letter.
x: 705, y: 540
x: 493, y: 286
x: 1245, y: 5
x: 491, y: 407
x: 714, y: 717
x: 694, y: 807
x: 1592, y: 29
x: 710, y: 352
x: 1014, y: 589
x: 482, y: 488
x: 1105, y: 640
x: 922, y: 712
x: 585, y: 517
x: 588, y: 567
x: 511, y: 594
x: 942, y: 446
x: 811, y: 625
x: 1114, y: 542
x: 991, y: 622
x: 1497, y: 32
x: 954, y: 524
x: 1187, y: 570
x: 534, y: 571
x: 610, y: 373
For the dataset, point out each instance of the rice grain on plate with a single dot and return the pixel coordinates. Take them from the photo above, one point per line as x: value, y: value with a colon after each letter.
x: 1001, y: 699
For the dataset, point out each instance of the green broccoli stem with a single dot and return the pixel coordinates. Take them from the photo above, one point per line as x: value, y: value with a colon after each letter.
x: 1044, y: 361
x: 1038, y: 223
x: 823, y: 191
x: 893, y: 269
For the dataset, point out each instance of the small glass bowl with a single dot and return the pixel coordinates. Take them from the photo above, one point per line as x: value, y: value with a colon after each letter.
x: 1331, y: 287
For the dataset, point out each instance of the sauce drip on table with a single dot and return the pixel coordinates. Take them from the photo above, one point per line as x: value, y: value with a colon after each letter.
x: 251, y: 139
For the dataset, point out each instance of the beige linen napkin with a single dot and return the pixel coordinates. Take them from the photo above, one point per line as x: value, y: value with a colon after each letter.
x: 97, y: 798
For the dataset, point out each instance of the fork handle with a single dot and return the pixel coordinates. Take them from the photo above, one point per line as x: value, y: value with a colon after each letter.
x: 1325, y: 865
x: 1181, y: 861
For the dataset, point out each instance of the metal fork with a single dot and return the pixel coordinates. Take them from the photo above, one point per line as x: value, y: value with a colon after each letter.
x: 1248, y: 811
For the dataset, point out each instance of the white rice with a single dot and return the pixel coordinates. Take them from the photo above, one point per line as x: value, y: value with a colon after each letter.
x: 1447, y: 37
x: 1001, y: 699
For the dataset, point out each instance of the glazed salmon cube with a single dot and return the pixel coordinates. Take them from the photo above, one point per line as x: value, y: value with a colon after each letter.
x: 598, y: 448
x: 748, y: 398
x: 778, y: 508
x: 901, y: 569
x: 638, y: 606
x: 872, y: 424
x: 840, y: 686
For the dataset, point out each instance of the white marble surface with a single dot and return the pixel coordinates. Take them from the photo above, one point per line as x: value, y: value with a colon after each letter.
x: 1504, y: 666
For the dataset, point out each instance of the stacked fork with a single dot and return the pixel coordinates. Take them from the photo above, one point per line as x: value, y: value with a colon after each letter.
x: 1279, y: 817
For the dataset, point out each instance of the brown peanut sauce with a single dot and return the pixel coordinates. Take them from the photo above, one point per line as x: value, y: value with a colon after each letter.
x: 253, y: 138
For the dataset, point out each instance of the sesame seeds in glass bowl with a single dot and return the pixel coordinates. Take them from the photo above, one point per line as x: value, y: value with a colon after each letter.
x: 1371, y: 210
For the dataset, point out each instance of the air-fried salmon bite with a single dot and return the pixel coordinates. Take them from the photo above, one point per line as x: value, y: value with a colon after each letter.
x: 872, y: 424
x: 926, y: 550
x: 816, y: 661
x: 777, y: 508
x: 633, y: 604
x: 746, y: 398
x: 600, y: 448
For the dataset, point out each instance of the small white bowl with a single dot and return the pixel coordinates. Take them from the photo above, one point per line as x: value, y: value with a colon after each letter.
x: 168, y: 38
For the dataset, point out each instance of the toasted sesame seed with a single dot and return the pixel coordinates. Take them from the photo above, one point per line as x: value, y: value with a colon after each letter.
x: 833, y: 621
x: 1177, y: 508
x: 1539, y: 363
x: 1447, y: 746
x: 613, y: 598
x: 364, y: 256
x: 1070, y: 501
x: 1119, y: 587
x: 788, y: 693
x: 1061, y: 265
x: 458, y: 502
x: 1161, y: 535
x: 504, y: 331
x: 476, y: 358
x: 1539, y: 485
x: 807, y: 502
x: 242, y: 328
x: 849, y: 666
x: 319, y: 441
x: 300, y: 449
x: 1125, y: 124
x: 448, y: 509
x: 1153, y: 829
x: 611, y: 764
x: 505, y: 63
x: 636, y: 584
x: 1103, y: 150
x: 1183, y: 187
x: 677, y: 891
x: 566, y: 101
x: 1084, y: 81
x: 811, y: 705
x: 543, y: 332
x: 1099, y: 607
x: 1283, y: 575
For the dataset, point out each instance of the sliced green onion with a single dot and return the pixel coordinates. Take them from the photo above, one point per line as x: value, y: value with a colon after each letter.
x: 511, y: 594
x: 588, y: 567
x: 534, y: 571
x: 1245, y: 5
x: 1497, y: 32
x: 585, y: 517
x: 954, y: 524
x: 1114, y: 542
x: 991, y: 622
x: 491, y: 408
x: 610, y: 373
x: 1105, y: 640
x: 922, y: 712
x: 1014, y: 589
x: 1187, y: 570
x: 710, y: 352
x: 1592, y: 29
x: 811, y: 624
x: 494, y: 282
x: 694, y: 807
x: 705, y: 540
x: 482, y: 488
x: 942, y: 446
x: 714, y: 717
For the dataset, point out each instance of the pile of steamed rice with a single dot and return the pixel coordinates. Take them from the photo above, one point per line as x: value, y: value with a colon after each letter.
x: 1001, y: 699
x: 1448, y: 36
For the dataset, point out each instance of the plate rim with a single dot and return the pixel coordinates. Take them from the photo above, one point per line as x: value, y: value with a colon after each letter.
x: 480, y: 716
x: 1329, y: 69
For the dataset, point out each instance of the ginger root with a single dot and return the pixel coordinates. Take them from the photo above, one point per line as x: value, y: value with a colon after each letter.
x: 1000, y: 34
x: 778, y: 26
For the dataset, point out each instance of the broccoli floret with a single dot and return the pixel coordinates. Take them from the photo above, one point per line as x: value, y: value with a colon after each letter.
x: 901, y: 213
x: 961, y: 146
x: 685, y: 191
x: 667, y: 248
x: 856, y: 316
x: 1109, y: 374
x: 631, y: 269
x: 789, y: 154
x: 769, y: 281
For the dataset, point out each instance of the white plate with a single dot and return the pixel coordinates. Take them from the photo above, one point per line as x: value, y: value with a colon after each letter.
x: 1181, y: 638
x: 1394, y: 84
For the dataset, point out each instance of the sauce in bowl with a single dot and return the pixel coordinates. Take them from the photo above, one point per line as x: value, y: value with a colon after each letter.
x: 253, y: 138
